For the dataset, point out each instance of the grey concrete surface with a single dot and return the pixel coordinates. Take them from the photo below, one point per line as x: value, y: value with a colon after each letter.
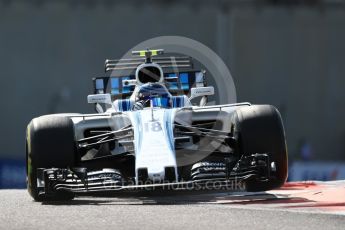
x: 18, y: 211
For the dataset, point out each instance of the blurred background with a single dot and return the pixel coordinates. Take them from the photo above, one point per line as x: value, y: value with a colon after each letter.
x: 289, y: 53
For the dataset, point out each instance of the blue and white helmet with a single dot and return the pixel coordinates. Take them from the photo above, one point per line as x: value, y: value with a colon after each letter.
x: 154, y: 93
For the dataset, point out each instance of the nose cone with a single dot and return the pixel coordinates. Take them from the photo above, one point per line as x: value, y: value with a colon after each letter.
x: 156, y: 175
x: 154, y: 143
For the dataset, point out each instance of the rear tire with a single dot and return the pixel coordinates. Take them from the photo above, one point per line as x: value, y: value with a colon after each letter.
x: 260, y: 130
x: 49, y: 143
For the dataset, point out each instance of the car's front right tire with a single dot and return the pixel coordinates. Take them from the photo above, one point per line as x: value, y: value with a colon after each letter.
x: 49, y: 143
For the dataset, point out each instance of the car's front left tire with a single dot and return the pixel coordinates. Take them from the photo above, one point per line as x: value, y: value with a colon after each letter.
x: 260, y: 130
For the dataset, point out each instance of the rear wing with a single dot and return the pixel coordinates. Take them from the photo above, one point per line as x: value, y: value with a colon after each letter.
x: 130, y: 64
x: 177, y: 83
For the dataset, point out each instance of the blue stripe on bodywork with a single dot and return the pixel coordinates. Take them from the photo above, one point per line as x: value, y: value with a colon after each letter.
x: 169, y: 128
x: 178, y: 101
x: 125, y: 105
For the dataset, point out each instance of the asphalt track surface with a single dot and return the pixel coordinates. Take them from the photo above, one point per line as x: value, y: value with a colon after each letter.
x: 179, y: 211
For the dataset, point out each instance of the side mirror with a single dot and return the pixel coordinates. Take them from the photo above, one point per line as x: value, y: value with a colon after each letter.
x: 201, y: 91
x: 99, y: 98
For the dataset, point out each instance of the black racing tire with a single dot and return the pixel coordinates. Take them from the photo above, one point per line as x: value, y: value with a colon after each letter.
x: 49, y: 143
x: 260, y: 130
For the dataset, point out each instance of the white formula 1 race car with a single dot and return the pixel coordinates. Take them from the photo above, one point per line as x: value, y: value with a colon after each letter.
x: 148, y: 135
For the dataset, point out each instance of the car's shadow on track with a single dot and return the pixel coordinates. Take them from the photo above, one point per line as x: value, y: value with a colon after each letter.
x: 172, y: 198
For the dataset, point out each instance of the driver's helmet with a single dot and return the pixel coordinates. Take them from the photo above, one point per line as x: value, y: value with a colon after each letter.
x: 154, y: 93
